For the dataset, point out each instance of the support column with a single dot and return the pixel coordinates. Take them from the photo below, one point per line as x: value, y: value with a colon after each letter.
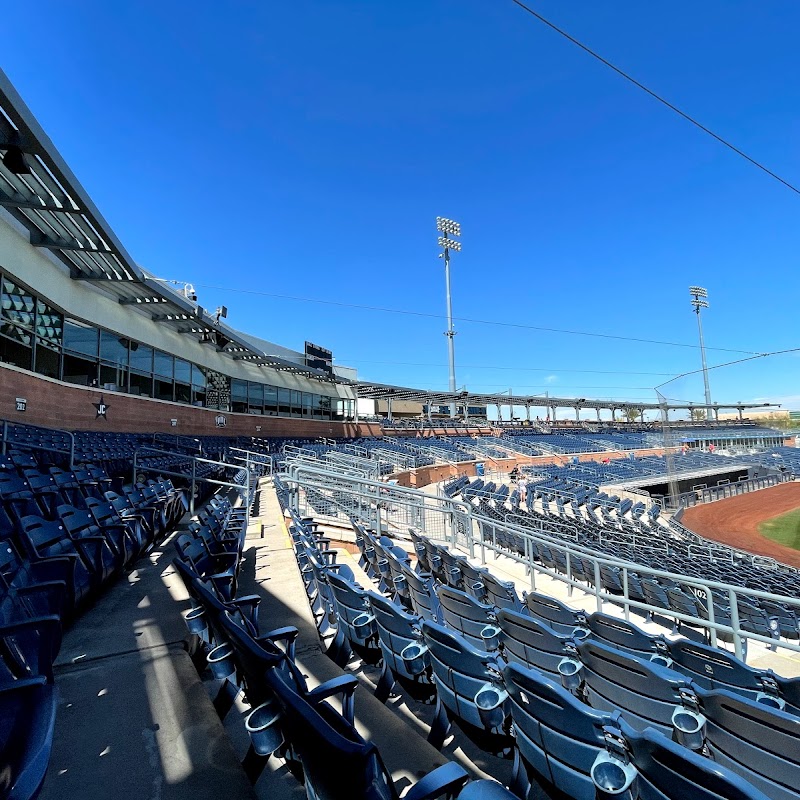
x: 740, y: 413
x: 598, y: 414
x: 528, y: 411
x: 389, y: 408
x: 577, y: 413
x: 641, y: 415
x: 716, y: 413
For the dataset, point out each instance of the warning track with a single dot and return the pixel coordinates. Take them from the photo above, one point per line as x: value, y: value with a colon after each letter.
x: 735, y: 521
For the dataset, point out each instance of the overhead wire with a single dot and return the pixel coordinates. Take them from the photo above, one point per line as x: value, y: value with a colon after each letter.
x: 498, y: 323
x: 655, y: 96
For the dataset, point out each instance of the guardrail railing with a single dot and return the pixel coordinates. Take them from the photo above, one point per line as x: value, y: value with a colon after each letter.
x: 463, y: 526
x: 9, y: 428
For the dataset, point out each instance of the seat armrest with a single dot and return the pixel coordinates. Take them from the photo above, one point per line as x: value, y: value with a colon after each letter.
x: 448, y: 778
x: 344, y: 685
x: 287, y: 634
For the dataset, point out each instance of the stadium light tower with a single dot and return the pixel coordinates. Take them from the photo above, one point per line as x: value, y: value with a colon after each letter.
x: 700, y: 300
x: 449, y: 229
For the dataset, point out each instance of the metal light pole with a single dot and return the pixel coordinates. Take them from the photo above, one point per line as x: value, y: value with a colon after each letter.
x: 699, y: 300
x: 449, y: 228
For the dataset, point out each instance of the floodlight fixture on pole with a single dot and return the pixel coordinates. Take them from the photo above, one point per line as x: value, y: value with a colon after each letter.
x: 699, y: 297
x: 449, y: 228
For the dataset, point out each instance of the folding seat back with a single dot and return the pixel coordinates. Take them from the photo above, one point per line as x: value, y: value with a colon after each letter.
x: 112, y: 550
x: 626, y: 636
x: 713, y: 668
x: 500, y: 594
x: 405, y: 655
x: 785, y: 616
x: 475, y: 621
x: 338, y: 764
x: 532, y: 643
x: 452, y: 570
x: 757, y: 742
x: 667, y: 771
x: 557, y: 615
x: 50, y: 539
x: 558, y: 737
x: 472, y: 578
x: 27, y: 722
x: 355, y: 617
x: 424, y: 600
x: 646, y: 693
x: 469, y: 684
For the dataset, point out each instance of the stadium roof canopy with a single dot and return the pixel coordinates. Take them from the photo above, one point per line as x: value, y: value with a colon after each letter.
x: 381, y: 391
x: 40, y: 191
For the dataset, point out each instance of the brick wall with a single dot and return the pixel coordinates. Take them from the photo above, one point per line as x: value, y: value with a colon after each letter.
x: 63, y: 405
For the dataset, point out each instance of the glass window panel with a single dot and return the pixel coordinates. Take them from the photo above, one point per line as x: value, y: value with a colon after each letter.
x: 141, y: 357
x: 162, y: 364
x: 113, y: 378
x: 15, y: 346
x: 270, y: 400
x: 198, y: 376
x: 297, y: 402
x: 80, y: 370
x: 325, y: 405
x: 183, y: 392
x: 49, y: 323
x: 198, y: 396
x: 141, y: 384
x: 113, y: 348
x: 162, y: 389
x: 306, y: 404
x: 239, y: 396
x: 183, y: 371
x: 284, y: 401
x: 47, y: 359
x: 255, y: 398
x: 18, y: 304
x: 80, y: 338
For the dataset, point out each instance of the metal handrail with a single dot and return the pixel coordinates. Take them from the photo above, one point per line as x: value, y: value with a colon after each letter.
x: 194, y: 478
x: 5, y: 440
x: 530, y: 539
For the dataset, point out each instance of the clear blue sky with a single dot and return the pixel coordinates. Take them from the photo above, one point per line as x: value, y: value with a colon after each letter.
x: 305, y: 148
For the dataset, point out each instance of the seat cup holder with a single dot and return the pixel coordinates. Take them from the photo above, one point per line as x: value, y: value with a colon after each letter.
x: 579, y: 634
x: 491, y: 701
x: 771, y: 700
x: 220, y: 661
x: 662, y: 661
x: 415, y: 657
x: 383, y: 566
x: 689, y: 728
x: 196, y: 622
x: 491, y: 637
x: 613, y: 778
x: 400, y: 584
x: 570, y: 672
x: 364, y: 625
x: 263, y: 727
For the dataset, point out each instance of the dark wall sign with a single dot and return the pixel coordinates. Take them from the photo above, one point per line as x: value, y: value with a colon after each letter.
x: 21, y: 404
x: 319, y: 357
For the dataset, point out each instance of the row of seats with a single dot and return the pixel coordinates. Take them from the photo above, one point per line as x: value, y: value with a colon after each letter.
x: 65, y: 535
x: 476, y: 686
x: 319, y: 743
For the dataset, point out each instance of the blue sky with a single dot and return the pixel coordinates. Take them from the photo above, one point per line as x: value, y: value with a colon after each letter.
x: 305, y: 149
